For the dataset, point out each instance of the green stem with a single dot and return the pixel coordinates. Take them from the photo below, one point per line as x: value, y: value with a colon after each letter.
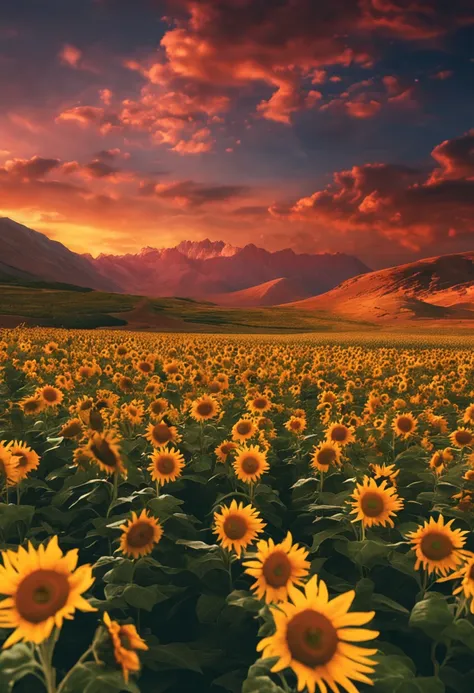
x: 433, y: 658
x: 45, y: 656
x: 114, y: 492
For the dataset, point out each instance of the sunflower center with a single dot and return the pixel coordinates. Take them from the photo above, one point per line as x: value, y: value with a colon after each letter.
x: 139, y: 535
x: 471, y: 573
x: 312, y: 639
x: 339, y: 434
x: 41, y: 595
x: 157, y: 407
x: 205, y: 408
x: 372, y: 504
x: 165, y: 464
x: 145, y: 367
x: 463, y: 437
x: 22, y: 459
x: 326, y: 456
x: 436, y: 546
x: 250, y: 464
x: 235, y: 527
x: 260, y: 403
x: 49, y: 394
x: 405, y: 424
x: 244, y: 427
x: 161, y: 433
x: 104, y: 453
x: 227, y: 448
x: 277, y: 569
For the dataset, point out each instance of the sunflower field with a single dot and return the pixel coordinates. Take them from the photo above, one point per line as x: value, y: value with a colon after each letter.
x: 209, y: 513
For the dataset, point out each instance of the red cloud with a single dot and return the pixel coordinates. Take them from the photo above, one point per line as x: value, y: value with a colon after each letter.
x: 70, y: 55
x: 363, y: 109
x: 28, y: 169
x: 397, y: 203
x: 188, y: 193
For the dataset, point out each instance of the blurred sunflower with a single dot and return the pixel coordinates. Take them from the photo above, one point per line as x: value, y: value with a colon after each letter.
x: 314, y: 637
x: 225, y: 449
x: 237, y: 526
x: 385, y: 472
x: 32, y: 405
x: 51, y: 396
x: 462, y: 437
x: 466, y: 575
x: 8, y: 466
x: 71, y: 429
x: 125, y: 641
x: 276, y: 568
x: 296, y: 424
x: 105, y: 451
x: 340, y: 434
x: 140, y: 535
x: 42, y: 588
x: 26, y: 459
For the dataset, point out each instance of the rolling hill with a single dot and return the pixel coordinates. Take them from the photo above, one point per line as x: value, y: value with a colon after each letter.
x: 434, y: 288
x: 28, y: 254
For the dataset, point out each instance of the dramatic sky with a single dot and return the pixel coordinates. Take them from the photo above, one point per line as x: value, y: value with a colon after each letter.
x: 321, y: 125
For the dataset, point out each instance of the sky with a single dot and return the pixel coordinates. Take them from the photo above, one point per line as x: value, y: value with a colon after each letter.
x: 328, y: 126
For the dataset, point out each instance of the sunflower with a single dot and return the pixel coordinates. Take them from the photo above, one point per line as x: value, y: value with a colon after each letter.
x: 468, y: 417
x: 469, y: 475
x: 438, y: 548
x: 8, y: 466
x: 375, y: 505
x: 325, y: 455
x: 204, y: 408
x: 466, y: 575
x: 462, y: 437
x: 157, y: 408
x: 237, y: 526
x: 385, y: 472
x: 32, y: 405
x: 125, y: 640
x: 166, y: 464
x: 160, y: 433
x: 26, y: 459
x: 315, y: 637
x: 50, y: 395
x: 105, y: 451
x: 296, y: 424
x: 340, y: 434
x: 277, y: 567
x: 259, y: 404
x: 225, y: 449
x: 437, y: 462
x: 140, y: 534
x: 250, y: 463
x: 42, y: 588
x: 404, y: 425
x: 71, y: 429
x: 244, y: 429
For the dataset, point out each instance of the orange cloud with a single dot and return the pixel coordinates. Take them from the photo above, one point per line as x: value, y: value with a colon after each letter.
x: 70, y: 55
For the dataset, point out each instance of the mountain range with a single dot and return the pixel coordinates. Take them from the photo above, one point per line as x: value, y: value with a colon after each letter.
x: 192, y: 269
x: 338, y: 284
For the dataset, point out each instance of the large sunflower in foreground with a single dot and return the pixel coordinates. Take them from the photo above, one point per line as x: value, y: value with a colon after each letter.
x: 237, y: 526
x: 125, y: 641
x: 166, y: 465
x: 462, y: 437
x: 160, y: 433
x: 250, y: 463
x: 140, y: 534
x: 42, y: 587
x: 466, y: 575
x: 438, y: 547
x: 105, y: 451
x: 375, y: 505
x: 277, y: 567
x: 318, y: 639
